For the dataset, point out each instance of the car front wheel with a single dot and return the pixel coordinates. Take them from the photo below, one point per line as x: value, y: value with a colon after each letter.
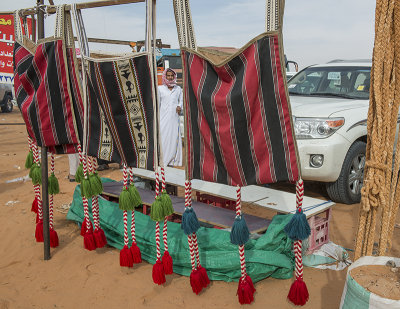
x: 347, y: 188
x: 8, y: 107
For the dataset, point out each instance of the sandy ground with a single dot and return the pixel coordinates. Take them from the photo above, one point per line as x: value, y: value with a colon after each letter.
x: 75, y: 277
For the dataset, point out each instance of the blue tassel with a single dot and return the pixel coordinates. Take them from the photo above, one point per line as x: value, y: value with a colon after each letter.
x: 190, y: 223
x: 298, y: 228
x: 240, y: 232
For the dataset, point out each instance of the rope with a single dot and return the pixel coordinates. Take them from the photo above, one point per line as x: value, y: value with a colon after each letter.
x: 298, y: 243
x: 37, y: 186
x: 380, y: 183
x: 51, y: 203
x: 126, y: 238
x: 133, y: 224
x: 95, y: 201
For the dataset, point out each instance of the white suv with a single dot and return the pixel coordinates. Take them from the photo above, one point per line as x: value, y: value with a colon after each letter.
x: 330, y: 107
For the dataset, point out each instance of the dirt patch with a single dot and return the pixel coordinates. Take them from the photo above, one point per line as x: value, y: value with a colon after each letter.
x: 379, y: 279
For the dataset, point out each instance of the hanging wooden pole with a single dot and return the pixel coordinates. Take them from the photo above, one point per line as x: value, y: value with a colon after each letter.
x: 45, y: 193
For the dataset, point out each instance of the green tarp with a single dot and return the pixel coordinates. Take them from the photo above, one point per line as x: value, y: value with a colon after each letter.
x: 269, y: 255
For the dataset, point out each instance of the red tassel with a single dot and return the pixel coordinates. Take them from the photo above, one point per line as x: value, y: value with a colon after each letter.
x: 245, y: 291
x: 99, y: 238
x: 168, y: 263
x: 39, y: 231
x: 136, y: 254
x: 196, y: 281
x: 204, y: 277
x: 158, y: 273
x: 88, y: 241
x: 53, y: 238
x: 34, y: 207
x: 298, y: 293
x: 83, y: 227
x: 125, y: 257
x: 37, y: 218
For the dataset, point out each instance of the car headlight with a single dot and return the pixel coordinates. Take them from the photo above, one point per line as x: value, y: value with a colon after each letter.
x: 306, y: 128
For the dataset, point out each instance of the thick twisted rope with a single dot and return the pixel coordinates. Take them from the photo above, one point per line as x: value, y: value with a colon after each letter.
x: 379, y: 185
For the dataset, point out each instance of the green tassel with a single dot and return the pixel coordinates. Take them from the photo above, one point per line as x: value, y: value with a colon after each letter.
x: 54, y: 187
x: 126, y: 201
x: 156, y: 210
x: 79, y: 173
x: 86, y: 191
x: 137, y: 200
x: 29, y: 160
x: 95, y: 184
x: 36, y: 174
x: 166, y: 203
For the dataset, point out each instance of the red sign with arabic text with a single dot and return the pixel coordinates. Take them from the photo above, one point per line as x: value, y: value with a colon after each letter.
x: 7, y: 42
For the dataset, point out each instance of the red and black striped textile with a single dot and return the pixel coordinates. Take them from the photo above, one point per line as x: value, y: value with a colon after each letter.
x: 51, y: 113
x: 239, y: 129
x: 121, y: 93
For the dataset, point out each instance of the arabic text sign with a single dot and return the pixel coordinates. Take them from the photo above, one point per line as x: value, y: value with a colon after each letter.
x: 7, y: 42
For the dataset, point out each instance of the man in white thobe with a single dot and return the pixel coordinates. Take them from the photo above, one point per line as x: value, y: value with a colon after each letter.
x: 171, y: 101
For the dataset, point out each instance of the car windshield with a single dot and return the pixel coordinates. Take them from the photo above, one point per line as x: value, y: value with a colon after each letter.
x: 351, y: 82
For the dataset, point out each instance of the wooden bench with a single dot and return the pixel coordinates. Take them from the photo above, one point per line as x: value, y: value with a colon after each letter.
x: 211, y: 215
x: 272, y: 199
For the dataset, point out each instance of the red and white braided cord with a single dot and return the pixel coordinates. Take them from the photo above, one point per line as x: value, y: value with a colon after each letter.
x: 299, y: 193
x: 133, y: 232
x: 95, y: 201
x: 190, y: 241
x: 163, y: 179
x: 242, y: 261
x: 238, y: 201
x: 51, y: 203
x: 157, y: 223
x: 158, y: 240
x: 191, y: 250
x: 241, y: 247
x: 39, y: 201
x: 165, y: 227
x: 157, y: 184
x: 37, y: 187
x: 126, y: 238
x: 196, y: 248
x: 298, y: 243
x: 165, y: 234
x: 30, y: 143
x: 298, y: 259
x: 84, y: 199
x: 80, y: 153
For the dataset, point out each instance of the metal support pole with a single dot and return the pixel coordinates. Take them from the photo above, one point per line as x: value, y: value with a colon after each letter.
x: 45, y: 180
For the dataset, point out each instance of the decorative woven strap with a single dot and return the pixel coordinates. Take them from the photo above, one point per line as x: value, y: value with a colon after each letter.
x: 274, y: 14
x: 18, y: 27
x: 184, y: 24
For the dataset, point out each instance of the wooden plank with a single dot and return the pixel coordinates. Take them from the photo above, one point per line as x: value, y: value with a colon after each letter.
x: 176, y: 177
x: 209, y: 214
x: 84, y: 5
x: 285, y: 202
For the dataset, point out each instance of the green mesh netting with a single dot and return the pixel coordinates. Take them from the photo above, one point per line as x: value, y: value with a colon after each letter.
x: 269, y: 255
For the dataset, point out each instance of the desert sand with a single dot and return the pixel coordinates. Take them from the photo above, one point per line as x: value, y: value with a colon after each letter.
x: 77, y: 278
